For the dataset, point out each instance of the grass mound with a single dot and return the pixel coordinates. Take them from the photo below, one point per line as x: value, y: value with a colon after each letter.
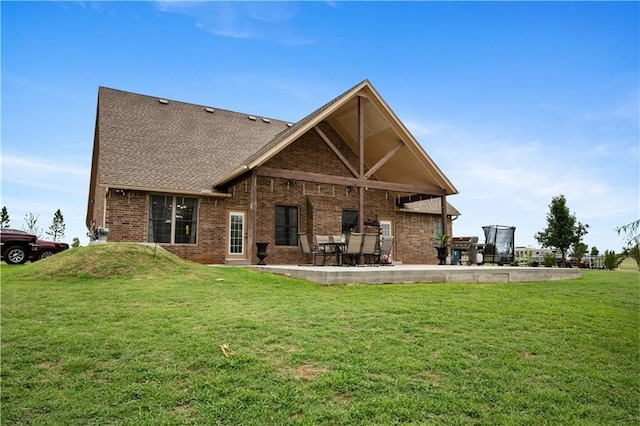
x: 107, y: 261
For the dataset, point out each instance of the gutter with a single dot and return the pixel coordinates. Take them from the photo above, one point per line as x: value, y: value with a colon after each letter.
x: 201, y: 193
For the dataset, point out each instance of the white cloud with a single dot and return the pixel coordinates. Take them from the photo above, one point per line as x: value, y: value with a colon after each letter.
x: 244, y: 20
x: 36, y: 165
x: 506, y: 181
x: 41, y: 186
x: 50, y: 174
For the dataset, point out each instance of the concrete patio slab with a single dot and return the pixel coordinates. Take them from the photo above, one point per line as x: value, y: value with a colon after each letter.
x: 397, y: 274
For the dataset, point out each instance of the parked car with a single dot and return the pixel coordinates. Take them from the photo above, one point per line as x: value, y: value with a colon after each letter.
x: 49, y: 248
x: 19, y: 246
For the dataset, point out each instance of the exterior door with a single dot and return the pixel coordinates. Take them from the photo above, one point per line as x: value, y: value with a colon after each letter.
x: 386, y: 230
x: 237, y: 235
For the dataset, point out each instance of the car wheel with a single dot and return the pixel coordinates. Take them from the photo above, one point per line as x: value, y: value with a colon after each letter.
x: 46, y: 253
x: 15, y: 255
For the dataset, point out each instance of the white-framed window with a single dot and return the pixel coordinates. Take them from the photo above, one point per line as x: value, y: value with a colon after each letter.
x: 172, y: 219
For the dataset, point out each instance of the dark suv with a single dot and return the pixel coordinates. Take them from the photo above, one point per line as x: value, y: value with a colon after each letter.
x: 17, y: 246
x: 20, y: 246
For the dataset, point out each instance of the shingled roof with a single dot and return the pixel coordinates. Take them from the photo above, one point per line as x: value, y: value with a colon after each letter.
x: 430, y: 206
x: 154, y: 144
x: 160, y: 144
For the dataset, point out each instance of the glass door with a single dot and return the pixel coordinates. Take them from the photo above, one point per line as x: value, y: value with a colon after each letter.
x: 386, y: 230
x: 237, y: 235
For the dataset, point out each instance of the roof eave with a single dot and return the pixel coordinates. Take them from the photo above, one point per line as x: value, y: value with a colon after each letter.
x: 201, y: 193
x: 293, y: 136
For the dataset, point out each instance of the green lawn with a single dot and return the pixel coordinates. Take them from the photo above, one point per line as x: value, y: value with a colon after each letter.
x: 112, y: 335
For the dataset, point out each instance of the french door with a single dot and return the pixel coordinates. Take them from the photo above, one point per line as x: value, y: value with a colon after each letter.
x: 237, y: 234
x: 386, y: 230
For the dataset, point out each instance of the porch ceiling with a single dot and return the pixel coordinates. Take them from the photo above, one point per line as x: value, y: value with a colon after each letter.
x: 382, y: 133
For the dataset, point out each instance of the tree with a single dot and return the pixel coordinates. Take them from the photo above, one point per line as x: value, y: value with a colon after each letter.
x: 594, y: 251
x: 31, y: 224
x: 579, y: 250
x: 76, y: 242
x: 4, y: 218
x: 634, y: 253
x: 56, y: 230
x: 631, y: 232
x: 563, y: 230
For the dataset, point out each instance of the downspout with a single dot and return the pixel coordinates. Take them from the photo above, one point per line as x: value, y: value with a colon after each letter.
x: 104, y: 207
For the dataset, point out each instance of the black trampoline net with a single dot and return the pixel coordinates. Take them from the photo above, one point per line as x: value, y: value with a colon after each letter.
x: 499, y: 245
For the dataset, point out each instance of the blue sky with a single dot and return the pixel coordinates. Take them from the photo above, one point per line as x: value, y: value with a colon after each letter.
x: 515, y: 102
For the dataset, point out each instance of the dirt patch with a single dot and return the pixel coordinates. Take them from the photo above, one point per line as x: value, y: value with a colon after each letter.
x: 309, y: 372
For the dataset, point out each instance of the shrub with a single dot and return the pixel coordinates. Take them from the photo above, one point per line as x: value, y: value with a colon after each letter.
x: 611, y: 260
x: 549, y: 260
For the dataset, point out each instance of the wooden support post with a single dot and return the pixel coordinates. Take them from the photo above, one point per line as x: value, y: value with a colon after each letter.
x: 443, y: 214
x: 361, y: 189
x: 361, y: 161
x: 253, y: 208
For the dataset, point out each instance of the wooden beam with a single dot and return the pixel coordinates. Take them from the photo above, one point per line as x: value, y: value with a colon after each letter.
x: 336, y: 151
x: 361, y: 135
x: 411, y: 198
x: 443, y: 214
x: 253, y: 207
x: 361, y: 161
x: 383, y: 160
x: 347, y: 181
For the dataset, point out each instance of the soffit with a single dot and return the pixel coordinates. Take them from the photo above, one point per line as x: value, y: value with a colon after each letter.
x: 382, y: 133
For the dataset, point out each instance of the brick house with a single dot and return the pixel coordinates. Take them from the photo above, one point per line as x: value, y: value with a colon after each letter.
x: 207, y: 183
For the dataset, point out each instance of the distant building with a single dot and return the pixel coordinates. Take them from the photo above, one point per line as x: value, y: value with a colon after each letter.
x: 531, y: 255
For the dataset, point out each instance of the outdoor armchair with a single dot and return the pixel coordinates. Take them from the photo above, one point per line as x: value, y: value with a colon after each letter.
x: 323, y: 239
x: 369, y: 247
x: 312, y: 251
x: 354, y: 248
x: 383, y: 256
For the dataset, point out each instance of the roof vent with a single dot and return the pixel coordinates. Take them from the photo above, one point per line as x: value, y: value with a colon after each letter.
x: 266, y: 120
x: 289, y: 124
x: 208, y: 109
x: 252, y: 118
x: 163, y: 101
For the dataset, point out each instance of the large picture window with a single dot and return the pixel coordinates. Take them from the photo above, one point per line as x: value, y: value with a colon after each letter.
x: 286, y: 226
x: 172, y: 219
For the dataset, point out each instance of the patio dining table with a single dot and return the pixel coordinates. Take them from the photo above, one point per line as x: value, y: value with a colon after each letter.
x: 339, y: 247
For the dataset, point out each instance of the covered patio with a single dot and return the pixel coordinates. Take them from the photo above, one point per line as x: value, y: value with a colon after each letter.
x: 407, y: 274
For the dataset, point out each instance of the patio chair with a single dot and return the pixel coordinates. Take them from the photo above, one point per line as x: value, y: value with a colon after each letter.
x: 369, y: 248
x: 383, y: 256
x: 338, y: 238
x: 354, y: 248
x: 307, y: 249
x: 322, y: 239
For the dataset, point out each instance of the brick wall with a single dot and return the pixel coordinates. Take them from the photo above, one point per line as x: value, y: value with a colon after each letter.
x: 319, y: 205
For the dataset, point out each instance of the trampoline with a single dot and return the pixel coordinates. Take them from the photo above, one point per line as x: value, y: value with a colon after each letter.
x: 499, y: 246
